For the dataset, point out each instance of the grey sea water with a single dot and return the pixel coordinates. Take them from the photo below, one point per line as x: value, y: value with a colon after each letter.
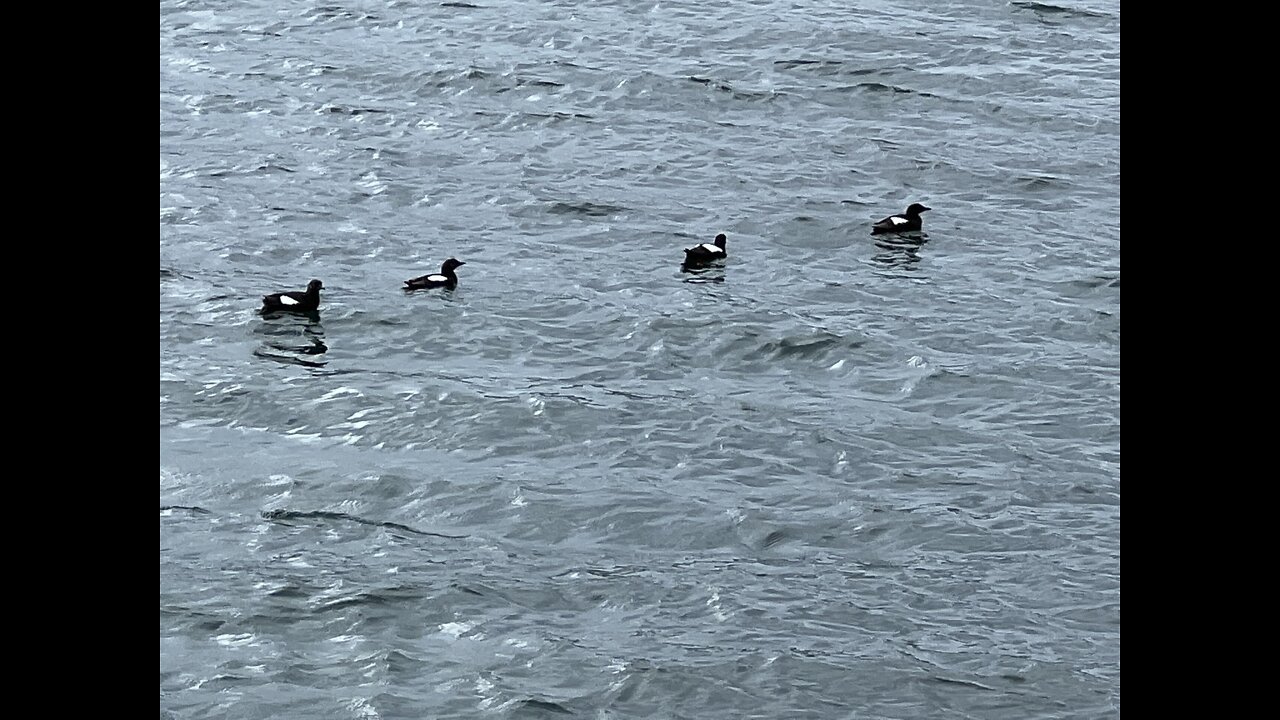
x: 838, y: 477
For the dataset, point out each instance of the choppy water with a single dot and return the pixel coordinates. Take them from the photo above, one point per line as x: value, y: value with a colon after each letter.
x: 838, y: 477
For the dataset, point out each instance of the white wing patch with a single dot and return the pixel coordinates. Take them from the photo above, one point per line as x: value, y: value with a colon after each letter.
x: 896, y: 220
x: 437, y: 278
x: 286, y: 300
x: 710, y: 248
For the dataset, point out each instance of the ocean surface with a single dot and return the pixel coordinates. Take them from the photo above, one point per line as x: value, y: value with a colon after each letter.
x: 839, y: 476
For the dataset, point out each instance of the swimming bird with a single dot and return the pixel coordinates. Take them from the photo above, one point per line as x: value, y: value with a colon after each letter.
x: 445, y: 278
x: 706, y: 252
x: 908, y: 221
x: 299, y: 301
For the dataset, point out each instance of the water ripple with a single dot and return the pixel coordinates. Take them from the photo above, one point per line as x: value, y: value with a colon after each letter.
x: 585, y: 482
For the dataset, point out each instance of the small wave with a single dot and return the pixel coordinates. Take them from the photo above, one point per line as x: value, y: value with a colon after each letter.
x: 773, y: 538
x: 336, y: 12
x: 340, y: 110
x: 545, y: 705
x: 1035, y: 183
x: 717, y: 84
x: 384, y: 597
x: 284, y: 515
x: 790, y: 64
x: 264, y: 167
x: 967, y: 683
x: 880, y: 87
x: 1047, y: 9
x: 1081, y: 287
x: 827, y: 67
x: 196, y: 509
x: 805, y: 347
x: 589, y: 209
x: 560, y: 116
x: 725, y: 87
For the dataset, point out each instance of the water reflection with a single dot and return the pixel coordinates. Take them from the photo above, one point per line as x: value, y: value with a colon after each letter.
x: 900, y: 251
x: 703, y: 273
x: 292, y: 338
